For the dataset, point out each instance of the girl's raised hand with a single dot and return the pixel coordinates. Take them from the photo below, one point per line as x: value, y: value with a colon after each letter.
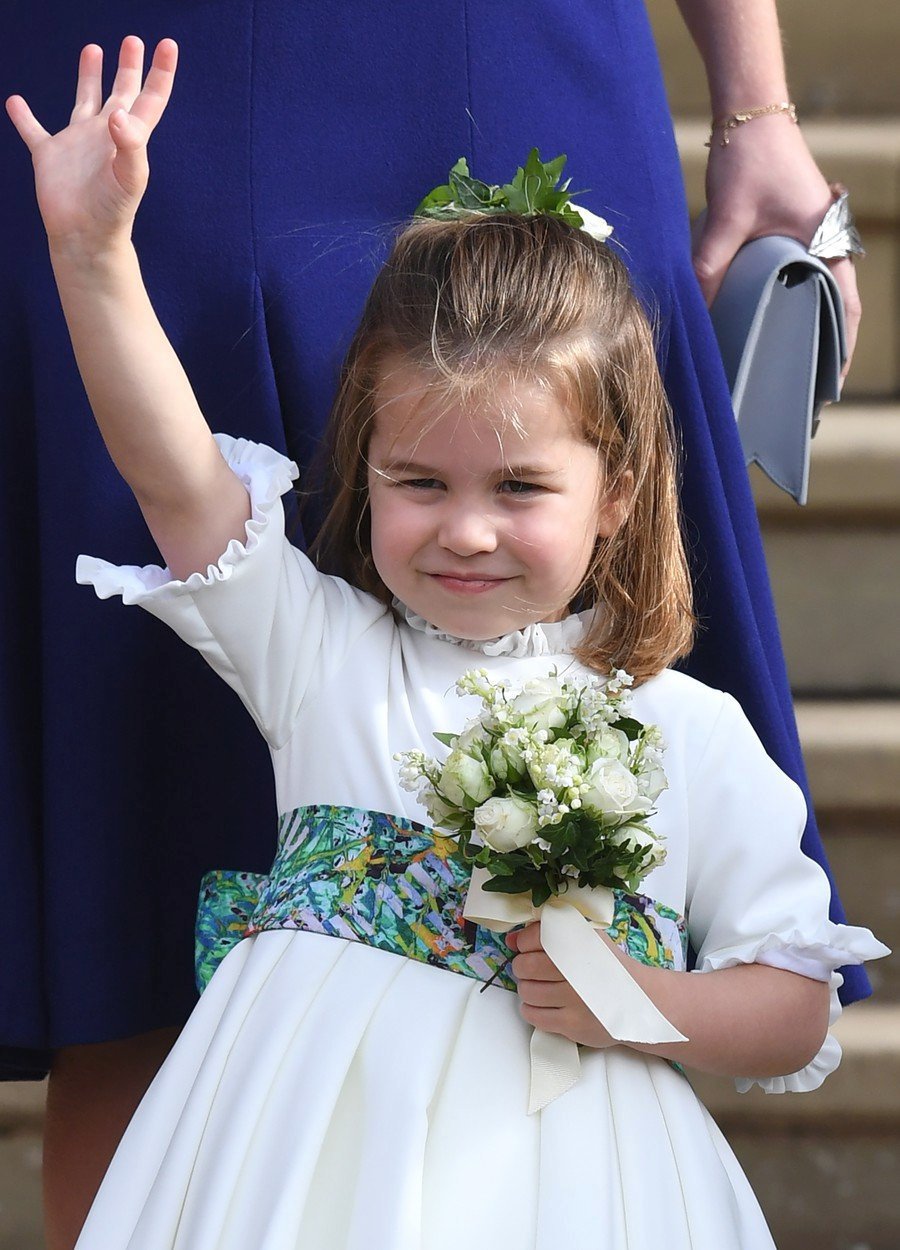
x: 91, y: 176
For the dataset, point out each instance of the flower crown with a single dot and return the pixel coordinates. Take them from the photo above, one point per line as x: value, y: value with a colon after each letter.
x: 533, y: 190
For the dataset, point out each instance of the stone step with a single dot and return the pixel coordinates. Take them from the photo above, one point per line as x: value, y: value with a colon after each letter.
x: 846, y: 541
x: 840, y: 58
x: 854, y: 475
x: 824, y: 1164
x: 837, y: 598
x: 852, y: 753
x: 865, y: 155
x: 863, y: 1095
x: 865, y: 860
x: 837, y: 595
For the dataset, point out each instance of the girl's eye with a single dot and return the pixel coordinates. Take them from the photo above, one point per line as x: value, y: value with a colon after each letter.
x: 516, y: 487
x: 421, y: 483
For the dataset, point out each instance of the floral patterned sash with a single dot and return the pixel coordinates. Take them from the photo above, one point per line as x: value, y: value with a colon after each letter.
x: 393, y: 884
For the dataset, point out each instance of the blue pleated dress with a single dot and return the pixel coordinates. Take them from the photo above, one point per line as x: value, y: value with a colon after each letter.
x: 298, y: 138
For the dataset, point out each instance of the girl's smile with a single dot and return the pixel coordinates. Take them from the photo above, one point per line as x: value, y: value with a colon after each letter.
x: 483, y: 520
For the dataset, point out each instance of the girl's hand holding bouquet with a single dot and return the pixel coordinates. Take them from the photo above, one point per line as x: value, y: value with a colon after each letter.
x: 546, y: 999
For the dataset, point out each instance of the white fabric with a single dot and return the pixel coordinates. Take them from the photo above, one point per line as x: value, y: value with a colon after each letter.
x: 325, y: 1094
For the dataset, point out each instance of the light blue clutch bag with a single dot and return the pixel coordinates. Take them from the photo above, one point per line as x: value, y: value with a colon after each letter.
x: 779, y: 321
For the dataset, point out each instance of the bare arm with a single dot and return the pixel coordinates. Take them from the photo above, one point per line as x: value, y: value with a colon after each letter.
x: 740, y: 43
x: 766, y: 180
x: 752, y: 1020
x: 90, y: 179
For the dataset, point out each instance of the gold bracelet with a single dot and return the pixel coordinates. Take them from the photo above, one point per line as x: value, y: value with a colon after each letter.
x: 747, y: 115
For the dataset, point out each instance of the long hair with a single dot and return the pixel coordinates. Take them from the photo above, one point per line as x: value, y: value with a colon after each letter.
x: 493, y: 296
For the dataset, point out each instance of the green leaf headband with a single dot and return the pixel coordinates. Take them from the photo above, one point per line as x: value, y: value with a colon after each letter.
x: 533, y: 190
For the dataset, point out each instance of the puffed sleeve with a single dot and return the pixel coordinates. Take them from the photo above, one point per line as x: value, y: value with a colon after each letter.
x: 263, y: 616
x: 753, y: 896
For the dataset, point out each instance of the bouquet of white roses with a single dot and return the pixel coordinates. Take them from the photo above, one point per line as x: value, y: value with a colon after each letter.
x: 549, y: 787
x: 549, y: 791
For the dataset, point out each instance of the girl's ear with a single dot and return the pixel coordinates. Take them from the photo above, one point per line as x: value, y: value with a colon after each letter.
x: 615, y: 506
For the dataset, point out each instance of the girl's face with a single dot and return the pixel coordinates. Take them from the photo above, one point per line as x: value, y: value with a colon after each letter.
x: 482, y: 524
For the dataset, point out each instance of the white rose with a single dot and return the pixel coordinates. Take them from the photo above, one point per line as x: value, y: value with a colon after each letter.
x: 508, y: 756
x: 504, y: 824
x: 541, y: 704
x: 464, y: 780
x: 652, y: 782
x: 609, y: 743
x: 440, y: 813
x: 595, y: 226
x: 610, y: 789
x: 473, y: 740
x: 636, y: 838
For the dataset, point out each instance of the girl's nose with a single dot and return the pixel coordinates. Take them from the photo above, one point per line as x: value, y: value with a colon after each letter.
x: 466, y: 531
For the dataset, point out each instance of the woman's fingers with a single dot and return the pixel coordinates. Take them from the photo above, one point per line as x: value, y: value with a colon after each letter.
x: 89, y: 90
x: 845, y: 277
x: 28, y: 126
x: 151, y: 103
x: 717, y: 248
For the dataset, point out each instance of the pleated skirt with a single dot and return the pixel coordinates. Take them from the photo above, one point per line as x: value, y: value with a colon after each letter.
x: 329, y: 1096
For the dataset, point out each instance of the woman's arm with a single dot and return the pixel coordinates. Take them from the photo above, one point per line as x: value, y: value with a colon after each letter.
x: 740, y: 43
x: 752, y: 1021
x: 90, y: 178
x: 765, y: 181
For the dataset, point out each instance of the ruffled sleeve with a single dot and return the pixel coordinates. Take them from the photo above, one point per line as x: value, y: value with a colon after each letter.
x: 753, y: 895
x: 262, y: 616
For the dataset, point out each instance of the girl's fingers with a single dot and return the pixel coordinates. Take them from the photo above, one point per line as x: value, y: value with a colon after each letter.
x: 151, y: 103
x: 535, y: 966
x: 529, y: 938
x: 547, y: 1019
x: 546, y: 993
x: 130, y: 135
x: 127, y: 83
x: 25, y: 122
x: 89, y: 91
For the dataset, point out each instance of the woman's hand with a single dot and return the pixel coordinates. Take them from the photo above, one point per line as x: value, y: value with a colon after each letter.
x: 546, y: 999
x: 91, y: 176
x: 766, y: 182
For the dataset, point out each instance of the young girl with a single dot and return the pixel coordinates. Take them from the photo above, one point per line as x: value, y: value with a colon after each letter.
x: 501, y: 457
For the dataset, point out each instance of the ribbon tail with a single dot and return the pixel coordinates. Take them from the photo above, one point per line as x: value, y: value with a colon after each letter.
x: 600, y: 980
x: 555, y: 1067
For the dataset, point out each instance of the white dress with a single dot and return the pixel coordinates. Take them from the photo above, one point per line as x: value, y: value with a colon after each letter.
x: 328, y: 1095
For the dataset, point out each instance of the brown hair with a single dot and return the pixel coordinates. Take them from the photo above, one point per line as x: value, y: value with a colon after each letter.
x: 493, y: 295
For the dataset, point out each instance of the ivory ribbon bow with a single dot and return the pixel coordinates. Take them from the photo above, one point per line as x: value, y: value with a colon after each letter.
x: 595, y: 974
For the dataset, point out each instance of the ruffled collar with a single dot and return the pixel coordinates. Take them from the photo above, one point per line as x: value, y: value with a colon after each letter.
x: 540, y: 638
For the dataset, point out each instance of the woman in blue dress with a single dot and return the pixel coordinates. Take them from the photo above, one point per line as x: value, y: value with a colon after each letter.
x: 331, y: 130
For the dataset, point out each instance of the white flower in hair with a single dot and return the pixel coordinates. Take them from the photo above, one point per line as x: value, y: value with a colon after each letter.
x: 597, y: 227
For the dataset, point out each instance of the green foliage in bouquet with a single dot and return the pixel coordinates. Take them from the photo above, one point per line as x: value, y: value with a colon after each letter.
x: 550, y: 786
